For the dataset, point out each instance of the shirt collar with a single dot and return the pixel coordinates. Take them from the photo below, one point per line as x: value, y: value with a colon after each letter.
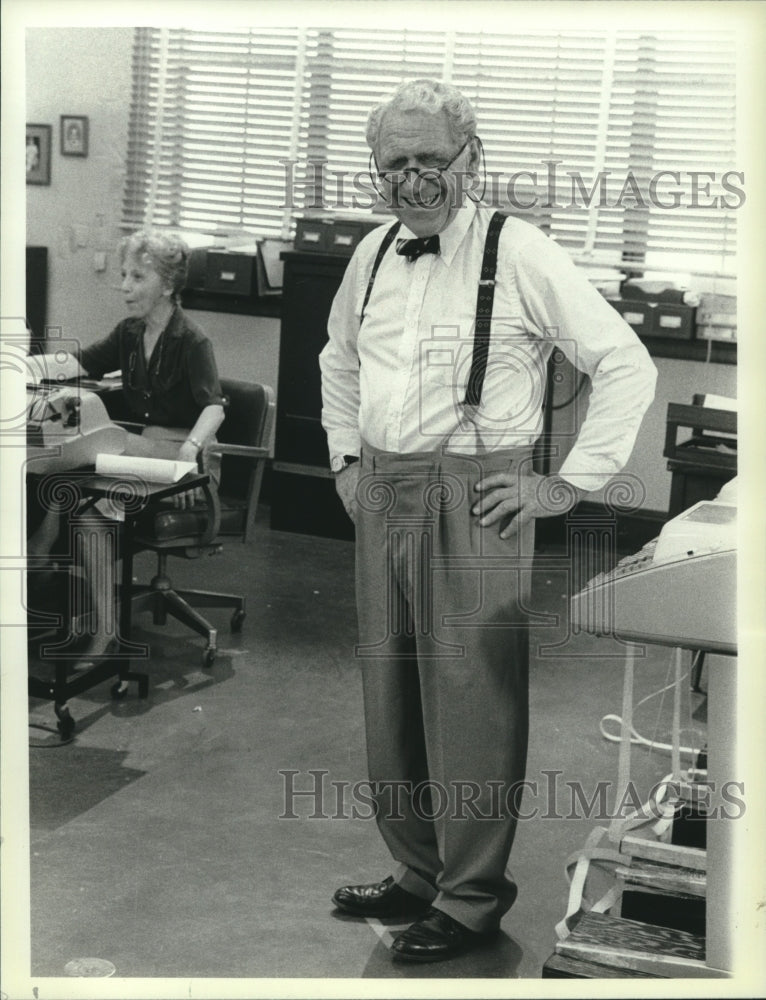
x: 174, y: 327
x: 451, y: 237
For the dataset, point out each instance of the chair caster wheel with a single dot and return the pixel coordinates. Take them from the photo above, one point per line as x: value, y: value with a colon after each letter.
x: 208, y: 658
x: 119, y: 690
x: 65, y: 724
x: 237, y: 619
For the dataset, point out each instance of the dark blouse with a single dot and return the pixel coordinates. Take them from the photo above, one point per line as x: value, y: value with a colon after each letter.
x: 173, y: 386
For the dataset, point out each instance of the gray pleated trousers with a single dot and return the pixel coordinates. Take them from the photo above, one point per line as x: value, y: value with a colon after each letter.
x: 444, y: 650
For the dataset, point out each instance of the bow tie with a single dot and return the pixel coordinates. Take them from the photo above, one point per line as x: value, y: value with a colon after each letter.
x: 412, y: 249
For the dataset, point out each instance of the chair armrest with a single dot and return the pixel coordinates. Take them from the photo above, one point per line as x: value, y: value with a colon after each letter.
x: 243, y: 450
x: 257, y: 457
x: 214, y: 507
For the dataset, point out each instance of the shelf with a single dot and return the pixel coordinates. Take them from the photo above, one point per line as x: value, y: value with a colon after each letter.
x: 722, y: 352
x: 242, y: 305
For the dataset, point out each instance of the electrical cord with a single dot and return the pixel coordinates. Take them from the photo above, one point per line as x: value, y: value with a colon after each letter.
x: 636, y: 738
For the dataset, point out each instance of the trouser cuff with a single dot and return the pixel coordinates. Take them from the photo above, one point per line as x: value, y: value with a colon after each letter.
x: 413, y: 883
x: 481, y: 917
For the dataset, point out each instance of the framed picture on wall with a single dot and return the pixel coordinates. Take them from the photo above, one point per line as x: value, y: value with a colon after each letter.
x: 74, y: 135
x: 39, y: 154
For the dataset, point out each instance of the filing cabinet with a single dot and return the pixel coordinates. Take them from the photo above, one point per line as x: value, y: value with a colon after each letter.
x: 303, y: 497
x: 670, y: 320
x: 334, y: 235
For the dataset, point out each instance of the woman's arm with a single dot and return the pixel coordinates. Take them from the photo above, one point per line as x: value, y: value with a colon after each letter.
x: 207, y: 423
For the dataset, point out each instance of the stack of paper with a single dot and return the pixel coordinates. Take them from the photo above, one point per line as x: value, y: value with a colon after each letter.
x: 153, y: 470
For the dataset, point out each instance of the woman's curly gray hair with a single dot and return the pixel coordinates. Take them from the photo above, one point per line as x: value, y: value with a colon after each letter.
x: 431, y: 96
x: 168, y: 254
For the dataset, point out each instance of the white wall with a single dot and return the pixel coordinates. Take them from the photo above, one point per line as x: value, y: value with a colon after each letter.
x: 80, y: 71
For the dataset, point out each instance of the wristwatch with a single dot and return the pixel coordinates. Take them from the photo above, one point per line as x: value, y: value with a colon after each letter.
x: 341, y: 462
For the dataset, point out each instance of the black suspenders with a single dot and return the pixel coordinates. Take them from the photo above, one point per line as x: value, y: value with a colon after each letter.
x: 484, y: 302
x: 385, y: 244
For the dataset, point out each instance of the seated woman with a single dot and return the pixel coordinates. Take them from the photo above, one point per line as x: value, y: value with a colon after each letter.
x: 169, y: 382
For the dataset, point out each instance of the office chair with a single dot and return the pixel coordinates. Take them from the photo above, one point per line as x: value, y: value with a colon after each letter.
x: 243, y: 444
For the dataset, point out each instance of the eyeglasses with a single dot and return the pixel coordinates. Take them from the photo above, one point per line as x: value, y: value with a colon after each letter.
x: 396, y: 177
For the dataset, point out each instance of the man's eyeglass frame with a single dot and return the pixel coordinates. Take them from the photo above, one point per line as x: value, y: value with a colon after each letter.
x: 394, y: 178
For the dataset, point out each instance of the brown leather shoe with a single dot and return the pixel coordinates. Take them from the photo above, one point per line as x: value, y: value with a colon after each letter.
x: 379, y: 899
x: 436, y: 937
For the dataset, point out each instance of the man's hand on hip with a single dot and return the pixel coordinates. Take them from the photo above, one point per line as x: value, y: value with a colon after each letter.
x: 522, y: 497
x: 345, y: 484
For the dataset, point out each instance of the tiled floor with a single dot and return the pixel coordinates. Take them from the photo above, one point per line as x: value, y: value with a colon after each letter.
x: 158, y: 836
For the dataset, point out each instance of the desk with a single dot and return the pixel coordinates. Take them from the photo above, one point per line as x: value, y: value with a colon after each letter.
x: 141, y: 495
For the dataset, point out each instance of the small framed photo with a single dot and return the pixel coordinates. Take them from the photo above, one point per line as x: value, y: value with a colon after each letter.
x: 74, y: 135
x: 39, y: 154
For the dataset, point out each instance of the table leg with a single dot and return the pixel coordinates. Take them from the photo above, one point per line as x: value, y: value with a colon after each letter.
x: 127, y: 646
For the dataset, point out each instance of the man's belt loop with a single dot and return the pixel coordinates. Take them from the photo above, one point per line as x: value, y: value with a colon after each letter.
x: 385, y: 244
x: 484, y: 303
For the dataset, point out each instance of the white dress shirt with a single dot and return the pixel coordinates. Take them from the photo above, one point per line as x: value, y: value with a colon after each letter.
x: 399, y: 381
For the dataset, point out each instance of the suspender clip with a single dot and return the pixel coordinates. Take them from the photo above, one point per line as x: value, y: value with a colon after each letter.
x: 487, y: 281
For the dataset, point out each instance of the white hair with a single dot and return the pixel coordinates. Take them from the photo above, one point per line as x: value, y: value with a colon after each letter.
x: 167, y: 253
x: 432, y: 96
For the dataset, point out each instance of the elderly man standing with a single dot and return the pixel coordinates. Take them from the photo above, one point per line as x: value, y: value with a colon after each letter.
x: 433, y: 381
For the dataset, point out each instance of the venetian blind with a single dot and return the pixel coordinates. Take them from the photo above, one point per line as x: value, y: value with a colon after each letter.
x: 212, y: 116
x: 606, y: 132
x: 600, y: 134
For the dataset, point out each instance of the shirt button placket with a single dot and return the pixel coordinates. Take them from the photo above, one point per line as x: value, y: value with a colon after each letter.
x: 410, y: 333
